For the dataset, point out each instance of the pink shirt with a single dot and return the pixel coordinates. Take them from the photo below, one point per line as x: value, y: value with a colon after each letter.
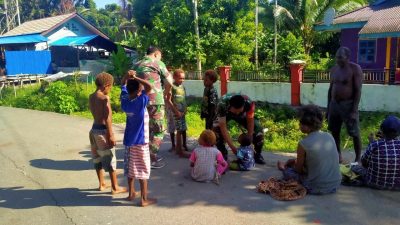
x: 207, y: 161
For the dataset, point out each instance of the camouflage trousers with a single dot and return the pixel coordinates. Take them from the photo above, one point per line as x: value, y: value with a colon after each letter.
x: 156, y: 126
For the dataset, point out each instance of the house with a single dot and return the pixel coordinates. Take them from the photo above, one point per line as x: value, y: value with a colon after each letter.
x: 63, y: 42
x: 372, y: 33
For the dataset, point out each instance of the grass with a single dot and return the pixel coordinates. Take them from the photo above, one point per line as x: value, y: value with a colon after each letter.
x: 283, y: 129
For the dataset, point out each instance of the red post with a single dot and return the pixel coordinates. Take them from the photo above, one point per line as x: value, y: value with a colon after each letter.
x: 296, y: 72
x: 224, y: 74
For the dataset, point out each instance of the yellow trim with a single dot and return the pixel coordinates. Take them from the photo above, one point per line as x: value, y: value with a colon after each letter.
x: 388, y: 48
x: 397, y: 53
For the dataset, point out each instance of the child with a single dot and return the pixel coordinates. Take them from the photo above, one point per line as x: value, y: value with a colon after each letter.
x: 101, y: 135
x: 206, y: 161
x: 136, y: 137
x: 170, y: 126
x: 317, y: 162
x: 245, y: 155
x: 176, y: 101
x: 210, y: 98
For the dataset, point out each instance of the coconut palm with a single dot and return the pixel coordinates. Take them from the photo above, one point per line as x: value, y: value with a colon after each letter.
x: 301, y: 15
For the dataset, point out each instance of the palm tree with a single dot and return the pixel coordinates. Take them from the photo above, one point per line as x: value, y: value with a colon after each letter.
x: 301, y: 15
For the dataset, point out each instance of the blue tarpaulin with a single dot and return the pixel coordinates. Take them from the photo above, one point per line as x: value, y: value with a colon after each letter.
x: 28, y: 62
x: 22, y: 39
x: 91, y: 40
x: 73, y: 41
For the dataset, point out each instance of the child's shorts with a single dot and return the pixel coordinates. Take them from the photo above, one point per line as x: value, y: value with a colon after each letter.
x: 137, y: 162
x: 106, y: 155
x: 180, y: 124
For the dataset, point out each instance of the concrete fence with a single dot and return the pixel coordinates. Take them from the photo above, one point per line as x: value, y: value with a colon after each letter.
x: 375, y: 97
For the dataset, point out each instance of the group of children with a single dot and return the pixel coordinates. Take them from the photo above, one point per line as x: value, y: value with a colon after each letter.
x: 206, y: 161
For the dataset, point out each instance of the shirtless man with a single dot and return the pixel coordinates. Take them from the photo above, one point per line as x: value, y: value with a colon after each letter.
x: 101, y: 135
x: 343, y: 98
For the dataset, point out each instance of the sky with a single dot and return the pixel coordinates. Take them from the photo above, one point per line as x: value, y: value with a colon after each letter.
x: 102, y: 3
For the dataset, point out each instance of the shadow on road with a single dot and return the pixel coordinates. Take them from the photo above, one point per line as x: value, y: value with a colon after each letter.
x: 20, y: 198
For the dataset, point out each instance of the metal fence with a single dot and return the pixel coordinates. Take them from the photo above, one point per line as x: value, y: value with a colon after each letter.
x: 266, y: 76
x: 240, y: 75
x: 370, y: 76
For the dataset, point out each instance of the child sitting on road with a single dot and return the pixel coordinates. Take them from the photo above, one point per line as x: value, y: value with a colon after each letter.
x: 206, y: 161
x: 245, y: 155
x: 101, y: 135
x: 136, y: 137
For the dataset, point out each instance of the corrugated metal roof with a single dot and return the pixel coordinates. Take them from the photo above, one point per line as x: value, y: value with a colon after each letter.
x: 22, y: 39
x: 365, y: 13
x: 38, y: 26
x: 383, y: 21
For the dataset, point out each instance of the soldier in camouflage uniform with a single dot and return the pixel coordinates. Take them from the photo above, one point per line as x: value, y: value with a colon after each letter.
x: 241, y: 109
x: 152, y: 69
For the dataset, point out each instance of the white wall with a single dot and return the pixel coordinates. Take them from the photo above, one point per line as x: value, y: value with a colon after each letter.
x: 258, y: 91
x: 374, y: 97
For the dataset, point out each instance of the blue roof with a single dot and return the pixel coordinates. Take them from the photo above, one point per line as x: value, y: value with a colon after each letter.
x: 22, y: 39
x: 73, y: 40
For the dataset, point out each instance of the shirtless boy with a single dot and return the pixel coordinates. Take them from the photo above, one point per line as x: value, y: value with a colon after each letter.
x: 101, y: 135
x: 343, y: 98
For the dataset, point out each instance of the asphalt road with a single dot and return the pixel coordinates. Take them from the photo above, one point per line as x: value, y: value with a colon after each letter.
x: 47, y: 178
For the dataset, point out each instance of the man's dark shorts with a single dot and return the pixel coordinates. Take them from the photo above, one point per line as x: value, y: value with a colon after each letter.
x: 339, y: 112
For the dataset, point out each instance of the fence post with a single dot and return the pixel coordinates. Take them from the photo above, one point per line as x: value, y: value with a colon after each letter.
x: 224, y: 74
x: 296, y: 74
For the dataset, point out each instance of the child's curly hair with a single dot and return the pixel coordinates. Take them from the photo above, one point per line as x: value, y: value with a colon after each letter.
x: 177, y: 72
x: 103, y: 79
x: 212, y: 75
x: 311, y: 116
x: 208, y: 137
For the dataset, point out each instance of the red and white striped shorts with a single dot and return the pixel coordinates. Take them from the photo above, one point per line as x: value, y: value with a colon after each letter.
x: 139, y: 164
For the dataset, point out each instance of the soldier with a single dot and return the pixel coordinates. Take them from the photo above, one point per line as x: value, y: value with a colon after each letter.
x: 241, y: 109
x: 152, y: 69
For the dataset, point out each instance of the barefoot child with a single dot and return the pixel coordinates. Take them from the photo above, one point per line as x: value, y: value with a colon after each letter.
x: 136, y: 137
x: 101, y: 135
x: 206, y: 161
x: 245, y: 155
x: 210, y: 98
x: 176, y: 101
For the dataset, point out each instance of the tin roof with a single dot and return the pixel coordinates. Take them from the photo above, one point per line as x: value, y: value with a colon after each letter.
x: 39, y: 25
x: 381, y: 19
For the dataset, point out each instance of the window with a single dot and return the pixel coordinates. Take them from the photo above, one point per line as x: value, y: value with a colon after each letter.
x: 366, y: 51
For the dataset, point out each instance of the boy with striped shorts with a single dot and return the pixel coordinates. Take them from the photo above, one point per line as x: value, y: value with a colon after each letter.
x: 134, y: 98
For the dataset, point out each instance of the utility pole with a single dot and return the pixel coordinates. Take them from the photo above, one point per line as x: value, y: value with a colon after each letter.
x: 196, y: 28
x: 10, y: 18
x: 256, y: 38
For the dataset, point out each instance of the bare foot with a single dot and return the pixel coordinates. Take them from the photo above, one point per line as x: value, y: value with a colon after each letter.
x: 149, y: 201
x: 280, y: 165
x: 103, y: 187
x: 119, y: 190
x: 132, y: 197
